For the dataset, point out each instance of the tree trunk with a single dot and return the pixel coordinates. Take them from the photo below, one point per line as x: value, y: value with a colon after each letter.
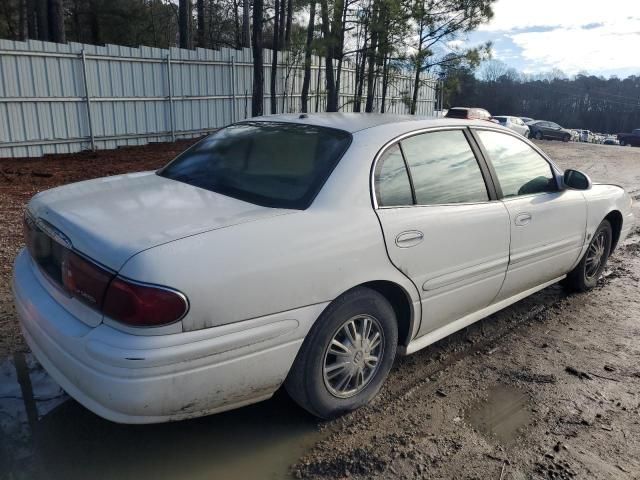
x: 56, y: 21
x: 202, y: 42
x: 283, y: 20
x: 306, y: 81
x: 341, y: 26
x: 361, y: 62
x: 287, y: 34
x: 184, y: 12
x: 274, y: 57
x: 332, y: 98
x: 236, y: 24
x: 385, y: 84
x: 94, y: 22
x: 257, y: 97
x: 371, y: 59
x: 32, y: 31
x: 416, y: 80
x: 416, y: 87
x: 42, y: 16
x: 22, y: 20
x: 246, y: 25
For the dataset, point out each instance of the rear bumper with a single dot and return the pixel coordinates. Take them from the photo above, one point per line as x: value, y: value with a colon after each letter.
x: 148, y: 379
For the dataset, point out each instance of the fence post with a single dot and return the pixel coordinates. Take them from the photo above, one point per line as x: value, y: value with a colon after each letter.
x: 87, y: 100
x: 233, y: 89
x: 170, y: 85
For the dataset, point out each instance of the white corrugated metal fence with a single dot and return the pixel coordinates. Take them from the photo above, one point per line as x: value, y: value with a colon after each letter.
x: 62, y: 98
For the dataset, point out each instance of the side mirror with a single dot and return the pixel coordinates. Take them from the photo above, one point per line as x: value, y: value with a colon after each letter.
x: 576, y: 180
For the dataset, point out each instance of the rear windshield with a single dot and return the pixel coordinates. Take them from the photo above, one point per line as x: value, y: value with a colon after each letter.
x: 502, y: 120
x: 272, y: 164
x: 457, y: 113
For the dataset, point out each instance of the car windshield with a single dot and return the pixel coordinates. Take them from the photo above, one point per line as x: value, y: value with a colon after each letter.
x: 502, y: 120
x: 273, y: 164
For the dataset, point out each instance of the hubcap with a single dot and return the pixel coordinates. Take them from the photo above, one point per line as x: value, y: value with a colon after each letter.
x: 595, y: 255
x: 353, y: 356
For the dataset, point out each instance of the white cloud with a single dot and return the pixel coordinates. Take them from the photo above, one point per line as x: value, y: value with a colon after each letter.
x: 572, y: 35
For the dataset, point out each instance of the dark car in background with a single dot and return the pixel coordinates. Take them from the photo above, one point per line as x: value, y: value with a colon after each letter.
x: 543, y: 129
x: 469, y: 113
x: 527, y: 120
x: 632, y: 138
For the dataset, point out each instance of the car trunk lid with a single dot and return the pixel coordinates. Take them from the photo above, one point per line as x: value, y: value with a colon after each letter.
x: 111, y: 219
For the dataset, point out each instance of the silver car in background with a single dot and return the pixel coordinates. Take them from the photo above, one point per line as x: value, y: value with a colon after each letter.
x: 513, y: 123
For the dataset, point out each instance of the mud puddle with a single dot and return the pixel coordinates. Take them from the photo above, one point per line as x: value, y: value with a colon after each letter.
x: 502, y: 414
x: 46, y: 434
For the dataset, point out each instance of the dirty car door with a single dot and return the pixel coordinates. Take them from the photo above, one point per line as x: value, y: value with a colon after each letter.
x: 441, y: 225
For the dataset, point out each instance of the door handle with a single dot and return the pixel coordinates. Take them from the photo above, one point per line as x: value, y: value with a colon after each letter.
x: 523, y: 219
x: 410, y: 238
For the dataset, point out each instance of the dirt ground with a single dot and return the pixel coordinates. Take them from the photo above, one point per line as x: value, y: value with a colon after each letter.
x: 548, y: 388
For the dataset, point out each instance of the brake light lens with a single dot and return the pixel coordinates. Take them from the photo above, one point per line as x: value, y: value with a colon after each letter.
x: 84, y: 280
x: 140, y: 305
x: 123, y: 300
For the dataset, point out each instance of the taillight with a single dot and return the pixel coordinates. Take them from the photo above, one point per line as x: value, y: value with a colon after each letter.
x: 84, y: 280
x: 143, y: 305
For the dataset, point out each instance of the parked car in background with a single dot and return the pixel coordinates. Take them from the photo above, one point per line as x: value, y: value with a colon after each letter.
x: 632, y: 139
x: 468, y: 113
x: 611, y: 140
x: 543, y: 129
x: 575, y: 135
x: 513, y: 123
x: 586, y: 136
x: 297, y: 250
x: 526, y: 120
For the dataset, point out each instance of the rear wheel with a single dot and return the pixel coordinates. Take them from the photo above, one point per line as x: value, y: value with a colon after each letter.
x: 623, y: 143
x: 539, y: 135
x: 566, y: 138
x: 586, y: 274
x: 346, y: 356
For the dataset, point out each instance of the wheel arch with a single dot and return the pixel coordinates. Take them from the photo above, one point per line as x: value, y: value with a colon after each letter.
x: 401, y: 302
x: 614, y: 217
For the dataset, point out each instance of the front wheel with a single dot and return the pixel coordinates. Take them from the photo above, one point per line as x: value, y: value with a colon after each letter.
x: 623, y: 143
x: 586, y: 274
x: 566, y: 138
x: 346, y: 356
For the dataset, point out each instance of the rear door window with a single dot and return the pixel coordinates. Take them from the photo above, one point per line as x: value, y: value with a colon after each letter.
x: 392, y: 184
x: 444, y: 169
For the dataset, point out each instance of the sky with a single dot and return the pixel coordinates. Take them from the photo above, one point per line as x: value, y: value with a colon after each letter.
x: 598, y: 37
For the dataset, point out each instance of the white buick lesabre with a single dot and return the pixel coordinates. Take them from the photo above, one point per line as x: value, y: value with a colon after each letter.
x: 304, y: 250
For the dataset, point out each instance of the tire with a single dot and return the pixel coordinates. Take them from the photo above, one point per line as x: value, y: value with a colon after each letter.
x: 539, y: 135
x: 623, y: 143
x: 308, y: 382
x: 566, y: 138
x: 585, y: 275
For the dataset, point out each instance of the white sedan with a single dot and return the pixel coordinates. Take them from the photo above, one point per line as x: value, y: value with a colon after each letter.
x: 299, y: 250
x: 513, y: 123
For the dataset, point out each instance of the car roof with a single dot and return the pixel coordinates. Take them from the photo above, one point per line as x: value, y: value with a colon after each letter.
x: 355, y: 122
